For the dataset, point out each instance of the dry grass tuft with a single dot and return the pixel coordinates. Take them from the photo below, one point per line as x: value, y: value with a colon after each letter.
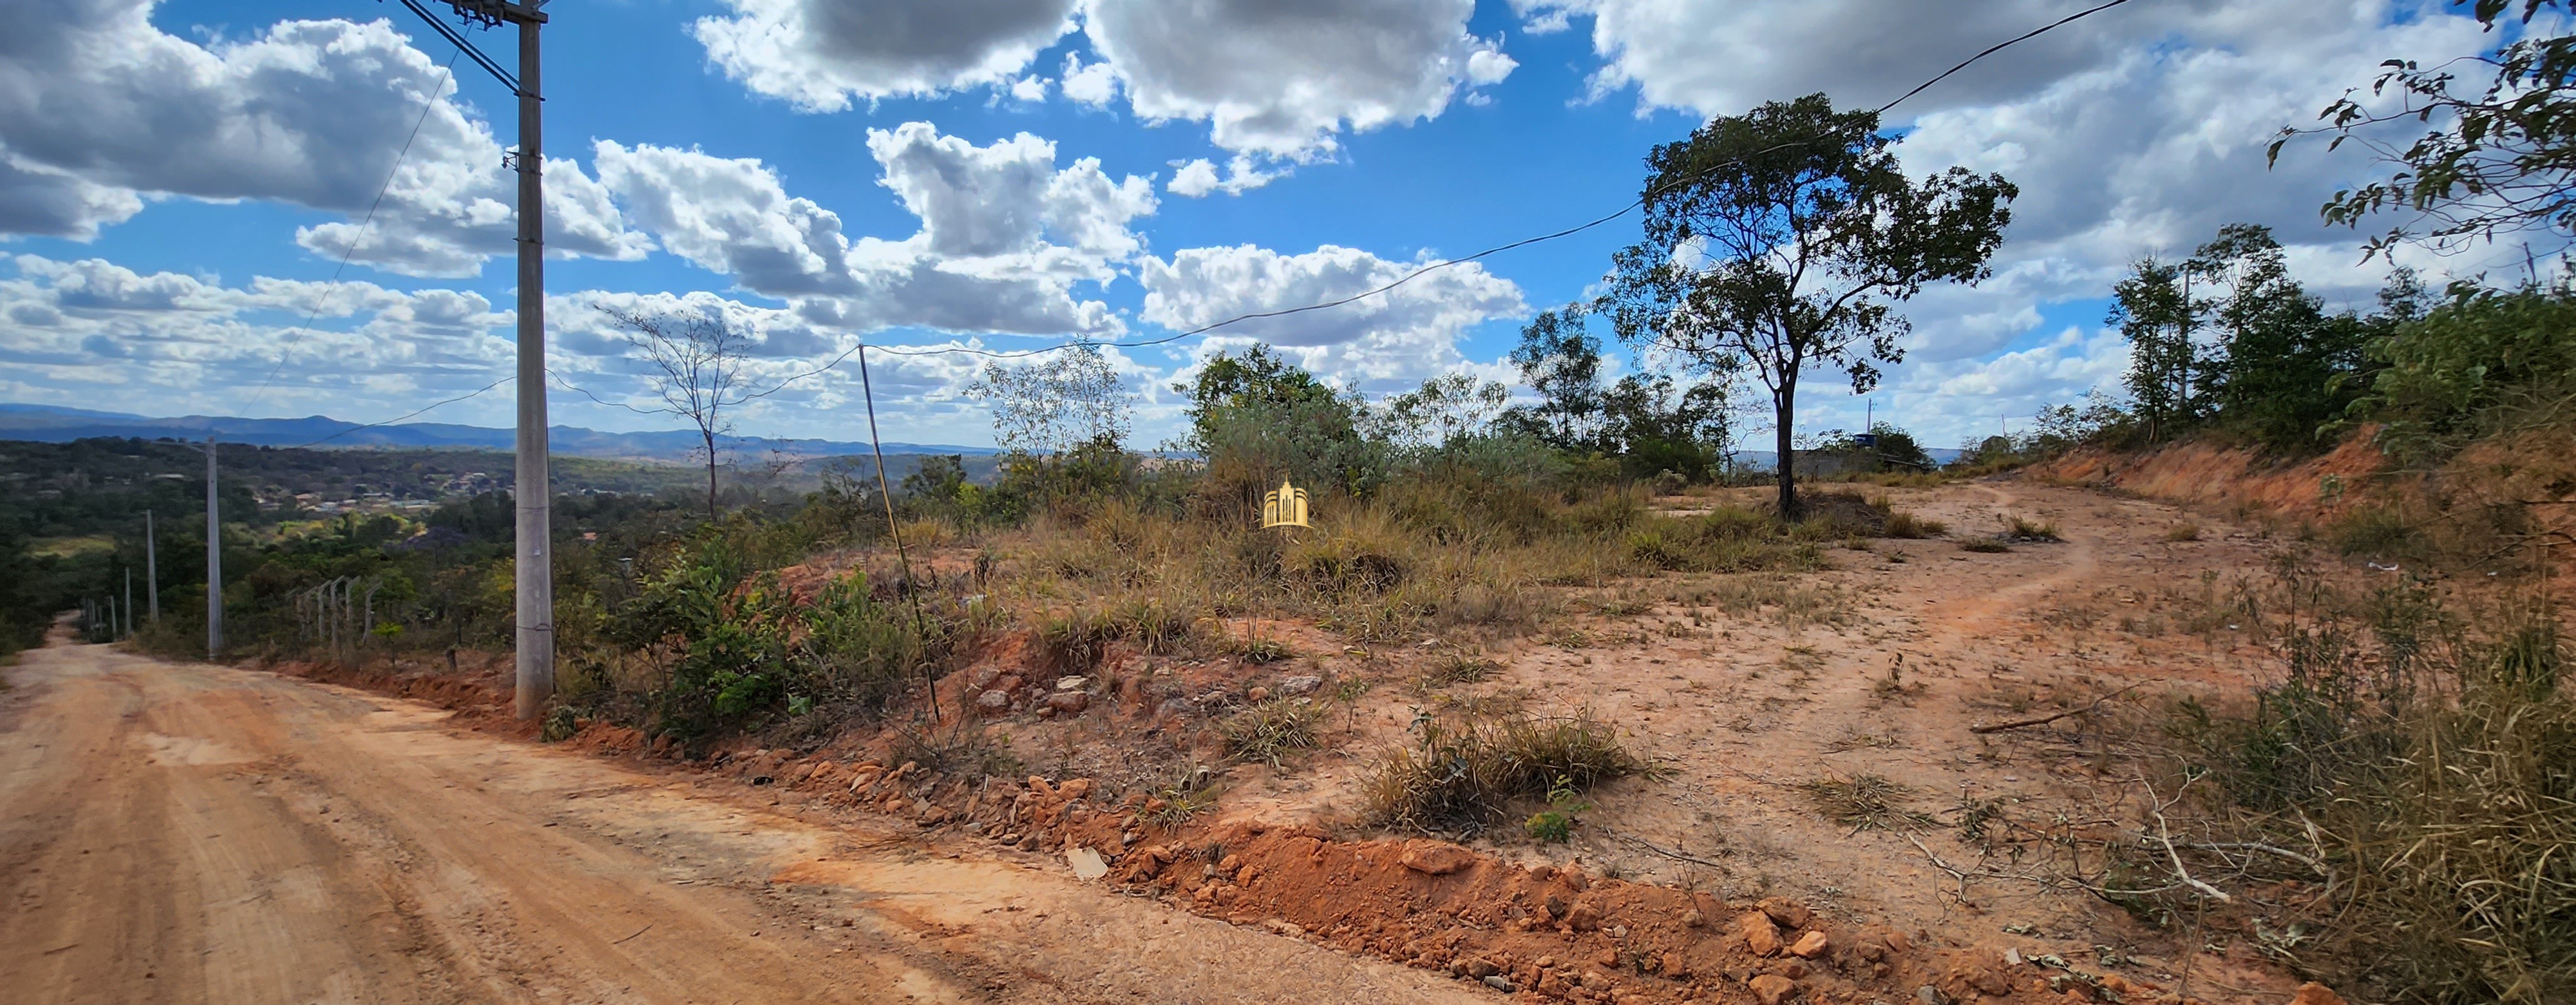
x: 1466, y: 770
x: 1903, y: 523
x: 1270, y: 729
x: 1863, y: 802
x: 2021, y: 528
x: 1459, y: 668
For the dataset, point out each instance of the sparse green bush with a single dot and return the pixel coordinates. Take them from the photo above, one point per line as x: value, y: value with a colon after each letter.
x: 2418, y: 775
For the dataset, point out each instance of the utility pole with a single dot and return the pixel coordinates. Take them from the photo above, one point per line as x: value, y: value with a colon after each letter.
x: 129, y: 601
x: 536, y: 578
x: 214, y: 560
x: 534, y: 569
x: 151, y: 569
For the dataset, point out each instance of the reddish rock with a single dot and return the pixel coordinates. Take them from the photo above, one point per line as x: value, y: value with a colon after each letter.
x: 1989, y: 982
x: 1773, y: 989
x: 1069, y: 702
x: 1585, y: 917
x: 1760, y: 936
x: 1811, y: 945
x: 2313, y: 993
x: 1437, y: 859
x: 994, y: 702
x: 1788, y: 913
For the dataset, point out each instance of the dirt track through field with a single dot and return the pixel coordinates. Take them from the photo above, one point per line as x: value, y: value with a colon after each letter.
x: 186, y: 832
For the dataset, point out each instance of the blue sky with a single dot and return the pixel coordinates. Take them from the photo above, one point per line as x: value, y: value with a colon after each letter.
x: 177, y: 185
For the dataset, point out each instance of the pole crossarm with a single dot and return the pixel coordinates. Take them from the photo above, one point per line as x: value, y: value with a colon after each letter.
x: 491, y: 12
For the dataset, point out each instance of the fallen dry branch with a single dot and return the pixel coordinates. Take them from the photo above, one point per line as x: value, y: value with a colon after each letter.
x: 1666, y: 852
x: 2046, y: 719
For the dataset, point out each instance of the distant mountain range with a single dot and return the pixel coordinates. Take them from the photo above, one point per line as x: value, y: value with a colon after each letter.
x: 53, y: 424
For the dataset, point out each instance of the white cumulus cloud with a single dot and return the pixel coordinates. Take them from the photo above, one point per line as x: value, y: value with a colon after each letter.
x: 99, y: 108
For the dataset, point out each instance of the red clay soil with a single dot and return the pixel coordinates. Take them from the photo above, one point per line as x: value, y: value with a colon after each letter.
x: 1541, y: 933
x: 2233, y: 477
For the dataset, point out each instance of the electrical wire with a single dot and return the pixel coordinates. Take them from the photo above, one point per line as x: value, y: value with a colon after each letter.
x: 445, y: 74
x: 406, y: 415
x: 1418, y: 273
x: 861, y: 347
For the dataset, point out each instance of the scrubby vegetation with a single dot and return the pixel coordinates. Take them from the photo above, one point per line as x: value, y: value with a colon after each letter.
x: 1465, y: 771
x: 2412, y: 771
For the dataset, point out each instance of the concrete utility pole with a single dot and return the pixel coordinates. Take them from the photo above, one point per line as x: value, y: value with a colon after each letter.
x: 536, y: 577
x: 214, y: 560
x: 151, y: 569
x: 535, y: 571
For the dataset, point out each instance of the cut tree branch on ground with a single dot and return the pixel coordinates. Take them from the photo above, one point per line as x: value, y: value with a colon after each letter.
x: 2046, y: 719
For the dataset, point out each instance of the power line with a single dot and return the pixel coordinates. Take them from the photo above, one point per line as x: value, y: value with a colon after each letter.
x: 407, y: 415
x: 1390, y: 286
x: 445, y: 73
x: 1495, y: 250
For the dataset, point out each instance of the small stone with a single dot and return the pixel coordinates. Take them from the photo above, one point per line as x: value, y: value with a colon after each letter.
x: 1500, y: 983
x: 994, y: 703
x: 1773, y: 989
x: 1086, y: 863
x: 1075, y: 788
x: 1437, y: 859
x: 1071, y: 683
x: 1046, y: 711
x: 1010, y: 683
x: 1693, y: 919
x: 1069, y: 702
x: 1556, y: 906
x: 1929, y: 995
x: 1990, y: 982
x: 1481, y: 968
x: 1760, y: 936
x: 1301, y: 684
x: 1811, y: 945
x: 1788, y: 913
x: 1257, y: 695
x: 1584, y: 917
x: 985, y: 677
x: 2313, y: 993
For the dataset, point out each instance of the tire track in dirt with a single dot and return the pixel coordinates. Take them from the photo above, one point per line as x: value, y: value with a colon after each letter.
x: 206, y: 834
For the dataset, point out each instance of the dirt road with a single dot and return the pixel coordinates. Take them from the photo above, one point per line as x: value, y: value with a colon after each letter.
x: 185, y: 832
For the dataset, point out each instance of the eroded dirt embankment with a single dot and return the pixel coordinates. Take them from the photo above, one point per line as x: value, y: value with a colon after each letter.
x: 2232, y: 479
x: 1536, y: 932
x: 1700, y: 882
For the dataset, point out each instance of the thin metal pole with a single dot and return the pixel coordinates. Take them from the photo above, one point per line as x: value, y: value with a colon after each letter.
x: 129, y: 601
x: 151, y: 569
x: 868, y: 389
x: 214, y: 560
x: 536, y: 588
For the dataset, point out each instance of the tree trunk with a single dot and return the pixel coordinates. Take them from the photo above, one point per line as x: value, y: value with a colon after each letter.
x: 710, y: 439
x: 1784, y: 414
